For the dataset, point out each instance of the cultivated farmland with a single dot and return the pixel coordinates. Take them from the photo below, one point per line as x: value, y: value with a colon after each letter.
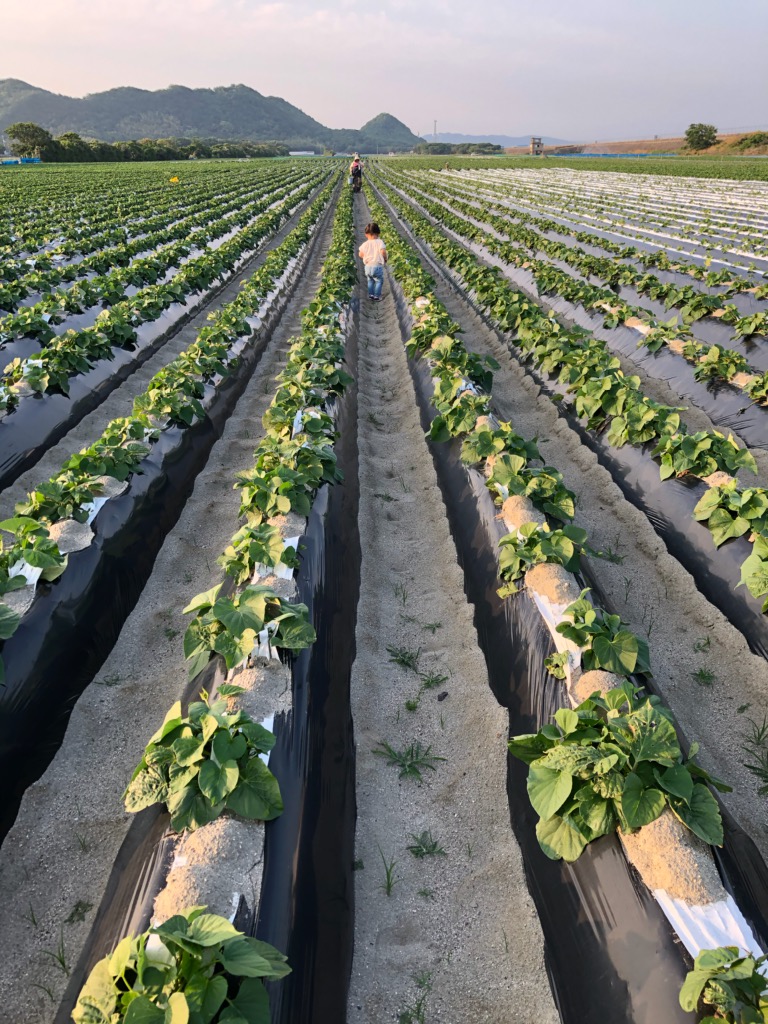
x: 425, y: 639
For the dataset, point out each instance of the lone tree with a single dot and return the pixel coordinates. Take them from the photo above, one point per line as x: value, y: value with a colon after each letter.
x: 28, y: 139
x: 700, y: 136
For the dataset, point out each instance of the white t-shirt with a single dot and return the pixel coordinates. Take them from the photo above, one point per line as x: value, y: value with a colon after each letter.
x: 372, y: 252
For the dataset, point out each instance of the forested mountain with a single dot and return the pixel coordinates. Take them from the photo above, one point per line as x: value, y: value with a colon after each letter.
x: 226, y: 112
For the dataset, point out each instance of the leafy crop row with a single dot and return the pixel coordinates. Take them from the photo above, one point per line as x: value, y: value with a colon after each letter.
x: 615, y: 760
x: 50, y: 270
x: 711, y: 361
x: 76, y: 351
x: 172, y: 398
x: 605, y: 398
x: 196, y: 967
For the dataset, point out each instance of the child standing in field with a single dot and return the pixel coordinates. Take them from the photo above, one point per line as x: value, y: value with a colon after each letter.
x: 373, y: 253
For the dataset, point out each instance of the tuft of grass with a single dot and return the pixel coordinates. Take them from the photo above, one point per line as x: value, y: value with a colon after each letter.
x: 416, y: 1012
x: 424, y: 845
x: 702, y: 645
x: 383, y: 496
x: 82, y: 842
x: 401, y: 593
x: 390, y: 879
x: 426, y: 894
x: 170, y: 633
x: 704, y: 676
x: 431, y: 680
x: 114, y: 679
x: 756, y: 748
x: 79, y: 911
x: 405, y: 657
x: 30, y: 916
x: 58, y: 955
x: 433, y: 626
x: 411, y: 760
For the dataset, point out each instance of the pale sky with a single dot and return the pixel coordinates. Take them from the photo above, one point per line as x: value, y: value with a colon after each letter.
x: 575, y: 69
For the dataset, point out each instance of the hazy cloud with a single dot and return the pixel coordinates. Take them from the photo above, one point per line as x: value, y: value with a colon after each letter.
x: 585, y: 70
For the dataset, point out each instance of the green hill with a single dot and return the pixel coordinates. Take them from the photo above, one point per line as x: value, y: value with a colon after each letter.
x: 226, y: 112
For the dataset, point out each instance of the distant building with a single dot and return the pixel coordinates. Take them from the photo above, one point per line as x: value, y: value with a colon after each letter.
x: 536, y: 148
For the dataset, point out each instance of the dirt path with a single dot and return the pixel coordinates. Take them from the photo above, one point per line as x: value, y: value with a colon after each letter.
x: 646, y: 585
x: 56, y: 860
x: 456, y: 932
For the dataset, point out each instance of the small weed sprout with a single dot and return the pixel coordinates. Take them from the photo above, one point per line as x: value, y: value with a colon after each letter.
x: 30, y: 916
x: 426, y: 894
x: 390, y: 879
x: 702, y: 645
x: 704, y: 676
x: 404, y: 657
x: 756, y: 748
x: 431, y: 680
x: 58, y: 956
x: 416, y: 1013
x: 401, y: 594
x: 433, y: 627
x: 79, y: 911
x: 425, y: 846
x: 411, y: 761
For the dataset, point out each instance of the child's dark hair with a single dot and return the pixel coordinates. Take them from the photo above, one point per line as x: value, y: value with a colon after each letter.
x: 372, y: 228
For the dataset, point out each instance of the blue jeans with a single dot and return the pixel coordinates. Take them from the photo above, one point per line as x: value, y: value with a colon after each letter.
x: 375, y: 277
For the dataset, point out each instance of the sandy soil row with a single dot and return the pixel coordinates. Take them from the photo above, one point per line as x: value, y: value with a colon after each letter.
x: 455, y: 931
x: 57, y: 858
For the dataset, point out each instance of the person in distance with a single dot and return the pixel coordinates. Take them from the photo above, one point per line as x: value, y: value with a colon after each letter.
x: 373, y: 253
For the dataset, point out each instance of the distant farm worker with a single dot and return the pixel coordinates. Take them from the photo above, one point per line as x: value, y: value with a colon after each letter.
x: 373, y: 253
x: 356, y: 173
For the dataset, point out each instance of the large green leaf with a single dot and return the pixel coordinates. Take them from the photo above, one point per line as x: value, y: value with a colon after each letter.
x: 692, y: 988
x: 211, y: 930
x: 235, y: 648
x: 257, y: 795
x: 240, y: 958
x: 178, y: 1009
x: 560, y: 839
x: 189, y: 809
x: 277, y: 961
x: 702, y: 816
x: 653, y: 737
x: 217, y: 781
x: 676, y: 780
x: 146, y: 789
x: 596, y: 812
x: 617, y: 654
x: 252, y: 1001
x: 98, y: 997
x: 203, y: 601
x: 640, y: 806
x: 141, y: 1011
x: 723, y: 526
x: 9, y: 622
x: 188, y: 750
x: 228, y: 748
x: 259, y: 737
x: 548, y: 790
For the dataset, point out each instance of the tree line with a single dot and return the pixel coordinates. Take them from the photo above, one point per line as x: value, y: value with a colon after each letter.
x: 30, y: 140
